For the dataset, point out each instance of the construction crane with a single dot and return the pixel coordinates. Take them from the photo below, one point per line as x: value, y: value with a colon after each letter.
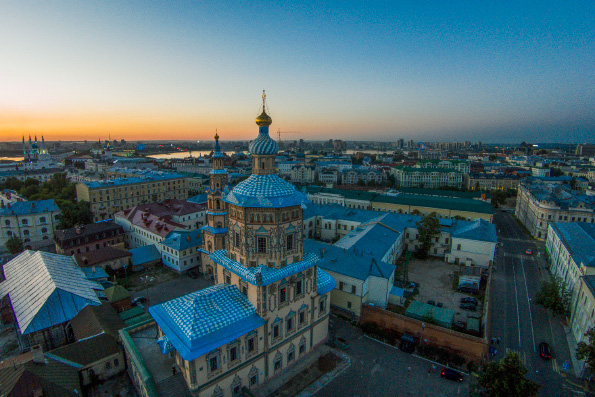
x: 279, y: 132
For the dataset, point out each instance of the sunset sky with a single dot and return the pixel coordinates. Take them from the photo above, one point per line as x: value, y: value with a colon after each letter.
x: 365, y: 70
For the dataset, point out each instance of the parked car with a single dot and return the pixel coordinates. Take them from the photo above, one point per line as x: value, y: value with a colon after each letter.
x: 544, y: 351
x: 470, y: 300
x: 407, y: 343
x: 451, y: 374
x: 529, y: 252
x: 192, y: 274
x: 468, y: 306
x: 139, y: 299
x: 431, y: 302
x: 439, y: 304
x: 460, y: 325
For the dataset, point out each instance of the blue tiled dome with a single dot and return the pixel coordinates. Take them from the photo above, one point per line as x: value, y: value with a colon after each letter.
x: 265, y: 191
x: 263, y: 144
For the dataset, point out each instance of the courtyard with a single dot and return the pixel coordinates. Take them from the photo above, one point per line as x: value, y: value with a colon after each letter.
x: 437, y: 281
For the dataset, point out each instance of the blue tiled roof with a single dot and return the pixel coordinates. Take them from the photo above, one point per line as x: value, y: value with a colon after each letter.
x: 359, y: 265
x: 94, y: 273
x: 214, y: 230
x: 204, y: 320
x: 223, y: 171
x: 146, y: 254
x: 148, y: 177
x: 262, y: 275
x: 198, y: 199
x: 579, y: 240
x: 324, y: 282
x: 181, y: 240
x: 396, y: 291
x: 479, y: 229
x: 30, y: 207
x: 267, y: 191
x: 263, y: 144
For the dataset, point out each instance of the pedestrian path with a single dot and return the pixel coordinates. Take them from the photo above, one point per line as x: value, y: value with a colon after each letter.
x: 577, y: 365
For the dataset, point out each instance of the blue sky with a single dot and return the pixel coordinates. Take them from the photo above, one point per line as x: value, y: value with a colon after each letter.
x: 490, y: 71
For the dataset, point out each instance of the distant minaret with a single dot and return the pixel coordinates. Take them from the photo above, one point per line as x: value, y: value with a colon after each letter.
x: 24, y: 149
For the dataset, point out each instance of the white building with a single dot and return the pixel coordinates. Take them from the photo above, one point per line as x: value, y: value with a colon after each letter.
x: 430, y: 178
x: 34, y: 222
x: 180, y: 250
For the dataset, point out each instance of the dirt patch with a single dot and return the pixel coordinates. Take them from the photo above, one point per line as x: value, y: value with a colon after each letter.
x: 295, y: 385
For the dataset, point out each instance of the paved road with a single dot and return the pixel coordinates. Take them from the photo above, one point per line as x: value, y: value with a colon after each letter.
x: 382, y: 370
x: 171, y: 289
x: 517, y: 320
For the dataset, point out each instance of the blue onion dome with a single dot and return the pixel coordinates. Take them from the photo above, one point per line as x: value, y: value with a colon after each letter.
x: 263, y: 144
x: 265, y: 191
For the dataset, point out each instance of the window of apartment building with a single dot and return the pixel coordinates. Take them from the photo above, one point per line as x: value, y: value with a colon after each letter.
x: 348, y: 305
x: 236, y: 239
x: 302, y: 348
x: 278, y: 365
x: 341, y: 284
x: 302, y: 316
x: 291, y: 354
x: 322, y: 305
x: 213, y: 360
x: 276, y: 329
x: 289, y: 322
x: 261, y: 244
x: 289, y: 242
x: 233, y: 353
x: 254, y: 379
x: 282, y: 294
x: 251, y: 343
x: 458, y: 247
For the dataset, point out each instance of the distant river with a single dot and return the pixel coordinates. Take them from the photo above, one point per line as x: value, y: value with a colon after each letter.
x: 12, y: 158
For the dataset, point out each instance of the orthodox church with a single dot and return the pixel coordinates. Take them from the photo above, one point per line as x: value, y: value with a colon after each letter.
x: 35, y: 156
x: 269, y: 307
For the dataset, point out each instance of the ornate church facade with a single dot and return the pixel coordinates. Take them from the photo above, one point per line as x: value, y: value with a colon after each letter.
x: 270, y: 305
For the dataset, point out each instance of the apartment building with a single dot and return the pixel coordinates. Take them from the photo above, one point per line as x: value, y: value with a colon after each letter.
x: 34, y: 222
x: 88, y: 238
x: 486, y: 181
x: 539, y: 203
x: 427, y: 177
x: 110, y: 196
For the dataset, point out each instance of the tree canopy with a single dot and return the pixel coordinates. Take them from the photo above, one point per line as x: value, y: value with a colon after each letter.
x: 428, y: 228
x: 14, y: 245
x: 554, y: 295
x: 506, y: 378
x: 586, y: 350
x: 59, y: 188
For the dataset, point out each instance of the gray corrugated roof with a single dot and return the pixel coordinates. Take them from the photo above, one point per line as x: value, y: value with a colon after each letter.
x: 54, y: 283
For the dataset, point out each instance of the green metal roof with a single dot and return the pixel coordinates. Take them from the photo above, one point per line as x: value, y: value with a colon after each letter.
x: 445, y: 193
x: 348, y: 194
x: 420, y: 311
x: 428, y: 170
x: 449, y: 203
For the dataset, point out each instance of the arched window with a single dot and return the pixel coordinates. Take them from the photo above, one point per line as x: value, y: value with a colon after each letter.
x: 26, y: 232
x: 44, y: 230
x: 7, y: 222
x: 42, y: 219
x: 25, y: 222
x: 9, y: 233
x: 217, y: 205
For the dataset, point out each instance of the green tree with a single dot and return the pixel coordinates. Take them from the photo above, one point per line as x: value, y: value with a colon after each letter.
x: 555, y: 171
x: 506, y: 378
x: 428, y: 228
x: 554, y: 295
x: 573, y: 183
x: 14, y: 245
x: 586, y: 350
x: 74, y: 214
x: 492, y: 157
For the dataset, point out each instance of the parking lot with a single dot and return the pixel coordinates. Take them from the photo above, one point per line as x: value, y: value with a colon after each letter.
x: 436, y: 279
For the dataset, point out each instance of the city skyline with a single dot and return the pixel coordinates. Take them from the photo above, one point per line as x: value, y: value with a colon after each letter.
x: 348, y: 71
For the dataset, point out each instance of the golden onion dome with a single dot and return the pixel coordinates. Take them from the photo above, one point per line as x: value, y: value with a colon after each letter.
x: 264, y: 120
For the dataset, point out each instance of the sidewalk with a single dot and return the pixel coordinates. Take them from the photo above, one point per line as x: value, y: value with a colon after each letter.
x: 279, y: 381
x: 577, y: 365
